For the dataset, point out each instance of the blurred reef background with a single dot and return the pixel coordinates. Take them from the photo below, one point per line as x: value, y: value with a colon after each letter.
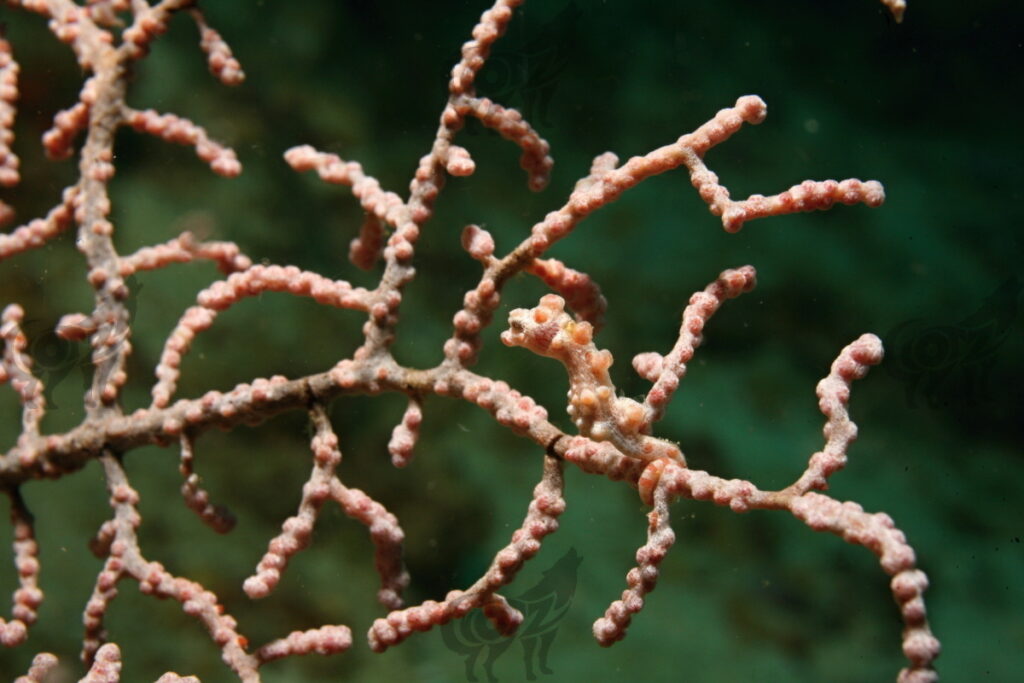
x: 928, y: 107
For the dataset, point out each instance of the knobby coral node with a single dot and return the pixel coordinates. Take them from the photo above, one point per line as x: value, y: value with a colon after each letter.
x: 614, y: 435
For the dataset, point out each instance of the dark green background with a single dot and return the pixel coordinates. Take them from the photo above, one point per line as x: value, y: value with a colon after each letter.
x: 929, y: 107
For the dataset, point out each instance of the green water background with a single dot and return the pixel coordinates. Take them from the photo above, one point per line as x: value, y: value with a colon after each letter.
x: 928, y: 107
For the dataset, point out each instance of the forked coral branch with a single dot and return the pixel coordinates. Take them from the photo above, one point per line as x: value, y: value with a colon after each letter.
x: 615, y: 435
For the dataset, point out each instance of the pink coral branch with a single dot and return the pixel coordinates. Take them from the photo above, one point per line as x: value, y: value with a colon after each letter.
x: 326, y: 640
x: 42, y: 665
x: 666, y: 372
x: 217, y: 517
x: 381, y: 207
x: 607, y: 181
x: 106, y: 666
x: 876, y: 532
x: 8, y: 97
x: 171, y: 677
x: 595, y: 408
x: 510, y: 125
x: 39, y: 231
x: 16, y: 368
x: 808, y: 196
x: 28, y: 596
x: 491, y: 26
x: 406, y: 433
x: 183, y: 249
x: 67, y: 124
x: 615, y: 435
x: 125, y: 560
x: 149, y: 21
x: 879, y: 534
x: 181, y: 131
x: 219, y: 57
x: 579, y: 290
x: 833, y: 395
x: 643, y: 578
x: 541, y: 519
x: 225, y: 293
x: 324, y: 485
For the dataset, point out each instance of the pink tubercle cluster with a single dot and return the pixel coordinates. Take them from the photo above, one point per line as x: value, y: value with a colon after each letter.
x: 510, y: 124
x: 219, y: 57
x: 665, y: 372
x: 223, y: 294
x: 181, y: 131
x: 581, y: 293
x: 9, y: 162
x: 28, y: 595
x: 541, y: 520
x: 642, y: 579
x: 324, y: 485
x: 664, y: 479
x: 615, y: 436
x: 183, y: 249
x: 382, y: 208
x: 38, y: 231
x: 593, y: 405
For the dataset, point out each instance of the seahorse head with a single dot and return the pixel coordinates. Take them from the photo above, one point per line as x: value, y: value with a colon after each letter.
x: 546, y: 329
